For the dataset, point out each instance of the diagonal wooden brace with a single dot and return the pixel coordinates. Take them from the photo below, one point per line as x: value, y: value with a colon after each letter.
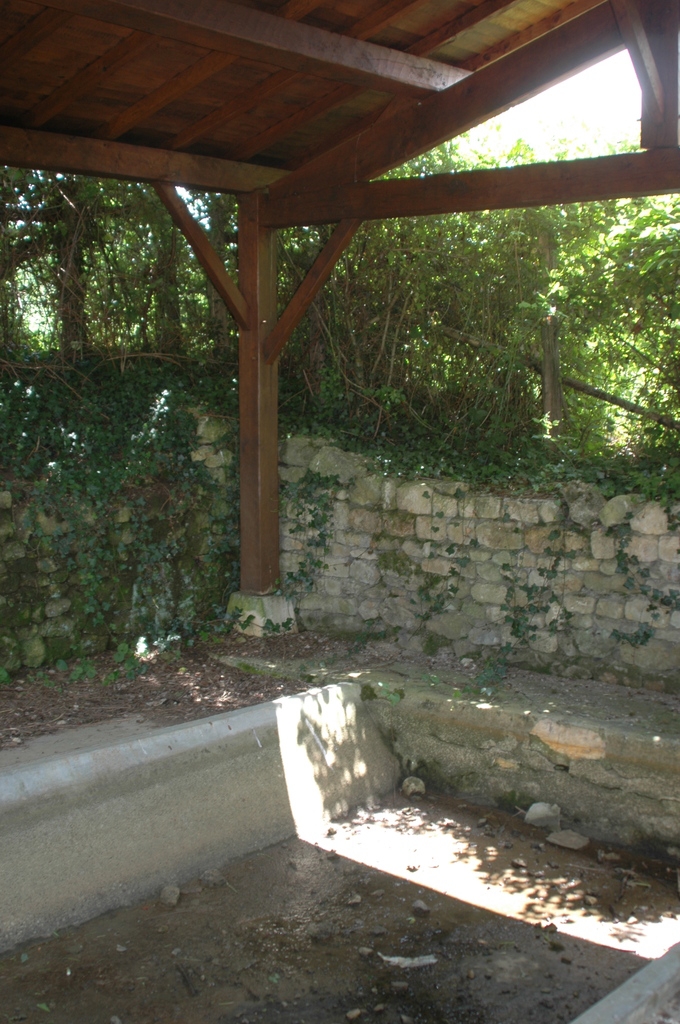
x: 309, y: 289
x: 205, y: 253
x: 635, y: 37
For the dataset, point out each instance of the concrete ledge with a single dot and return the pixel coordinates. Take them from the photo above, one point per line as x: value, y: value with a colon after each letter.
x: 93, y: 829
x: 637, y: 999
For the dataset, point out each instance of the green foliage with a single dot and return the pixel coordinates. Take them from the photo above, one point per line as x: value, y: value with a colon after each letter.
x: 384, y: 692
x: 310, y: 506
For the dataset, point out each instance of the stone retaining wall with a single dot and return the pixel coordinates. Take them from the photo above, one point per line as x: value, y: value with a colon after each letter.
x: 566, y: 582
x: 59, y: 597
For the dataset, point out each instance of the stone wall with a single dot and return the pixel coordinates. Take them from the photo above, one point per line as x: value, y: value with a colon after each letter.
x: 80, y: 580
x: 565, y: 582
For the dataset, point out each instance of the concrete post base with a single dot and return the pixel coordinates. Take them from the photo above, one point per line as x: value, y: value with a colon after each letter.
x: 255, y: 611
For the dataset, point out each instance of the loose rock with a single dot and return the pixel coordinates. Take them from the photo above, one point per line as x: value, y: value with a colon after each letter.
x: 213, y: 879
x: 413, y: 786
x: 544, y: 816
x: 420, y: 909
x: 353, y: 1014
x: 169, y: 896
x: 568, y: 840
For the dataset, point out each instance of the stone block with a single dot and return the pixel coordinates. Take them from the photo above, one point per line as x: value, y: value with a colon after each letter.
x: 616, y: 510
x: 201, y: 454
x: 397, y: 611
x: 339, y: 570
x: 544, y: 641
x: 365, y: 572
x: 487, y: 506
x: 455, y: 532
x: 13, y: 550
x: 579, y: 604
x: 428, y: 528
x: 363, y: 519
x: 366, y: 490
x: 389, y: 494
x: 644, y: 547
x: 500, y: 535
x: 33, y: 652
x: 333, y: 462
x: 299, y: 451
x: 549, y: 511
x: 650, y: 519
x: 58, y: 627
x: 57, y: 606
x: 370, y: 609
x: 340, y: 515
x: 438, y: 566
x: 334, y: 587
x: 489, y: 572
x: 291, y: 474
x: 537, y: 539
x: 452, y: 625
x: 446, y: 505
x: 5, y: 499
x: 211, y: 428
x: 600, y: 584
x: 415, y: 551
x: 489, y: 593
x: 610, y: 607
x: 332, y: 605
x: 572, y: 541
x: 489, y: 635
x: 669, y: 548
x: 415, y: 497
x: 675, y: 620
x: 654, y: 656
x: 479, y: 554
x: 258, y: 609
x: 221, y: 458
x: 399, y: 524
x: 522, y: 510
x: 641, y: 609
x: 494, y: 613
x: 289, y: 561
x: 583, y: 564
x: 584, y: 502
x: 601, y: 545
x: 594, y: 643
x: 453, y: 488
x: 609, y: 566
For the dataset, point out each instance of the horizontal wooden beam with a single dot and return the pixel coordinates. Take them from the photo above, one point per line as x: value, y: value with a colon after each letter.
x: 315, y: 279
x: 628, y: 175
x: 49, y: 151
x: 284, y: 43
x: 421, y: 126
x: 205, y: 253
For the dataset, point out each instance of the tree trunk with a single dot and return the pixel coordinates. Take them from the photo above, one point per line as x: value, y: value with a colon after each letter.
x: 553, y: 402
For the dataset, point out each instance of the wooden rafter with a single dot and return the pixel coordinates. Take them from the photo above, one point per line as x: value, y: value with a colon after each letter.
x: 205, y: 253
x: 637, y: 41
x: 39, y: 28
x: 446, y: 31
x: 514, y: 42
x: 296, y: 9
x: 281, y: 42
x: 50, y: 151
x: 237, y: 105
x: 383, y: 17
x: 417, y: 128
x: 87, y: 78
x: 627, y: 175
x: 315, y: 279
x: 207, y: 66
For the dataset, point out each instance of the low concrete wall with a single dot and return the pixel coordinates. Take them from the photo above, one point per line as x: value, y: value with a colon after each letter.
x: 98, y: 828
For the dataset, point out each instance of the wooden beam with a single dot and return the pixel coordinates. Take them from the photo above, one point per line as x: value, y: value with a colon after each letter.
x: 165, y: 94
x: 661, y: 24
x: 37, y: 29
x: 635, y: 37
x: 87, y: 78
x: 204, y: 252
x: 628, y: 175
x: 256, y: 35
x: 49, y: 151
x: 258, y: 401
x: 421, y: 126
x: 235, y: 107
x: 296, y: 9
x: 452, y: 27
x: 316, y: 277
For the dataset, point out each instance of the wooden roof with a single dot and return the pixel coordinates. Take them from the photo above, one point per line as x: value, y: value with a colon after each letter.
x: 236, y: 96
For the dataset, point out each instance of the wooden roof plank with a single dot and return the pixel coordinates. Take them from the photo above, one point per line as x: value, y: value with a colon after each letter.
x: 236, y: 106
x: 50, y: 151
x: 87, y: 78
x: 37, y: 29
x: 448, y: 30
x: 656, y: 172
x: 207, y: 66
x: 254, y: 34
x: 386, y: 15
x: 419, y: 127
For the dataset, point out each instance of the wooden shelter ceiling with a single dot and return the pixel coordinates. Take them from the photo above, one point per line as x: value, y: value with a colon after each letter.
x: 268, y: 86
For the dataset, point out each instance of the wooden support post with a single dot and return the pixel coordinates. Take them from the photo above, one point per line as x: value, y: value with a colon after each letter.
x: 258, y: 402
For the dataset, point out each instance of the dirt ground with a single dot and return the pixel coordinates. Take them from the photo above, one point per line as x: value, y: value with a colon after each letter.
x: 293, y: 935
